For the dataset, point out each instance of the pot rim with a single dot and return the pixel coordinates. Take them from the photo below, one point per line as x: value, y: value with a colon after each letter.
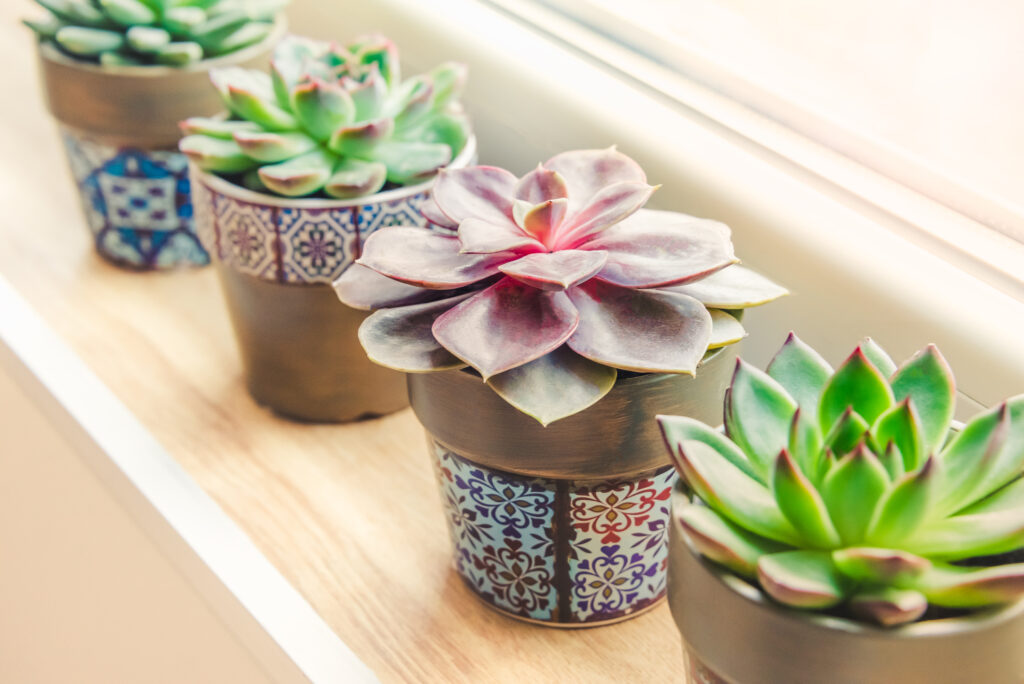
x: 226, y: 187
x: 49, y: 52
x: 758, y: 600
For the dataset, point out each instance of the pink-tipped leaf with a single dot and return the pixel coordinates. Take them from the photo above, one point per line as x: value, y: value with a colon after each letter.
x: 555, y: 270
x: 426, y: 258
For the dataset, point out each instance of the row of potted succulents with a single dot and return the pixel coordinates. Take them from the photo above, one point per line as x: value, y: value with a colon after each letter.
x: 839, y: 527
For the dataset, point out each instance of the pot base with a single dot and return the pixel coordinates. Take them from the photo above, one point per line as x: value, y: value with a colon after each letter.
x: 301, y: 354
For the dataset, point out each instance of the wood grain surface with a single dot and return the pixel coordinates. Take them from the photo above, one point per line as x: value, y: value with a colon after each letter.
x: 349, y: 514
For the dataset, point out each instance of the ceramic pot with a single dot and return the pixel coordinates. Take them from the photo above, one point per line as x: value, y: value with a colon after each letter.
x: 734, y: 634
x: 565, y: 526
x: 120, y: 131
x: 276, y: 258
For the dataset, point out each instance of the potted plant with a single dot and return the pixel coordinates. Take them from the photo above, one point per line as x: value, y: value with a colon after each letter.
x: 840, y: 530
x: 118, y: 75
x: 314, y: 159
x: 543, y: 322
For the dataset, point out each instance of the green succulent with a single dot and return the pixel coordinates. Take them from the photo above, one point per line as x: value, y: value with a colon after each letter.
x: 140, y: 32
x: 848, y: 490
x: 334, y: 119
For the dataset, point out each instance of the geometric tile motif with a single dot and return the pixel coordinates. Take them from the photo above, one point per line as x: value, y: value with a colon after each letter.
x: 294, y: 244
x: 557, y: 550
x: 136, y: 202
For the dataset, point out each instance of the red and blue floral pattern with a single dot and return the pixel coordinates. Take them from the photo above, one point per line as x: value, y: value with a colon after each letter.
x: 557, y: 550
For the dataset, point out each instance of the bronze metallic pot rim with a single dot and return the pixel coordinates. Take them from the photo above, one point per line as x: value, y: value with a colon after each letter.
x: 50, y: 52
x: 235, y: 191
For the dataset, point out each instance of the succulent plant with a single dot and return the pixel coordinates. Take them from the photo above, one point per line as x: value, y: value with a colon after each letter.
x: 331, y: 118
x: 848, y: 489
x: 140, y: 32
x: 549, y: 284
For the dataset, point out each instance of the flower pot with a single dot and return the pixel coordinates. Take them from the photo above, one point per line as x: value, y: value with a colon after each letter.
x: 734, y: 634
x: 120, y: 131
x: 277, y: 257
x: 563, y: 526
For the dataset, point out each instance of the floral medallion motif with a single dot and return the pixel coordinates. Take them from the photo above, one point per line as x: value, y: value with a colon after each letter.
x: 293, y: 244
x: 557, y: 550
x: 136, y: 203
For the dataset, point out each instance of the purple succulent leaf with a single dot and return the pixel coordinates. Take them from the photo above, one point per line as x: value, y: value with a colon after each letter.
x: 481, y: 192
x: 507, y: 325
x: 901, y: 425
x: 888, y: 606
x: 879, y: 566
x: 542, y: 220
x: 731, y: 492
x: 426, y: 258
x: 800, y: 370
x: 363, y: 288
x: 758, y: 417
x: 540, y: 185
x: 802, y: 579
x: 857, y: 384
x: 639, y: 330
x: 662, y: 248
x: 359, y: 139
x: 735, y: 287
x: 608, y: 206
x: 678, y: 429
x: 903, y: 508
x: 435, y: 216
x: 852, y: 491
x: 400, y: 337
x: 723, y: 541
x: 802, y: 505
x: 558, y: 384
x: 953, y: 586
x: 928, y: 380
x: 555, y: 270
x: 478, y: 236
x: 970, y: 455
x: 322, y: 107
x: 725, y: 329
x: 585, y: 172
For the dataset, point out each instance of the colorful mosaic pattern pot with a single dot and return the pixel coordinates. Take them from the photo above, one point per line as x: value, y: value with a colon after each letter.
x: 576, y: 553
x: 136, y: 203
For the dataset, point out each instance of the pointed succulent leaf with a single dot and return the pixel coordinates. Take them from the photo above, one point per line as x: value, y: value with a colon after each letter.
x: 45, y: 28
x: 725, y: 329
x: 852, y: 490
x: 992, y: 526
x: 451, y: 129
x: 256, y: 82
x: 478, y: 236
x: 878, y: 357
x: 970, y: 455
x: 250, y: 105
x: 758, y: 416
x: 892, y: 460
x: 128, y: 12
x: 735, y: 287
x: 215, y: 154
x: 449, y: 79
x: 857, y: 384
x: 243, y: 36
x: 555, y: 270
x: 433, y: 214
x: 482, y: 192
x: 1009, y: 461
x: 291, y: 64
x: 368, y: 96
x: 800, y: 502
x: 88, y: 42
x: 805, y: 445
x: 119, y: 59
x: 270, y: 147
x: 646, y: 331
x: 959, y: 587
x: 299, y: 176
x: 733, y: 493
x: 587, y: 171
x: 384, y: 54
x: 901, y: 426
x: 356, y: 178
x: 363, y: 288
x: 216, y: 128
x: 723, y: 541
x: 399, y: 337
x: 888, y: 606
x: 800, y: 370
x: 542, y: 220
x: 360, y: 139
x: 426, y: 258
x: 802, y: 579
x: 678, y: 429
x: 867, y: 564
x: 147, y: 39
x: 411, y: 103
x: 609, y: 206
x: 61, y: 9
x: 507, y: 325
x: 85, y: 13
x: 179, y: 54
x: 927, y: 379
x: 904, y: 507
x: 558, y: 384
x: 217, y: 27
x: 849, y: 431
x: 412, y: 162
x: 540, y: 185
x: 181, y: 21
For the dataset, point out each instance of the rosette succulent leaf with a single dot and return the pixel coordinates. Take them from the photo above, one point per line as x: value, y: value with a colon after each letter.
x: 331, y: 119
x: 849, y: 490
x: 550, y: 284
x: 141, y: 32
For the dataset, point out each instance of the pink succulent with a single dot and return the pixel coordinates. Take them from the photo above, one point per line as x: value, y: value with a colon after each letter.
x: 548, y: 283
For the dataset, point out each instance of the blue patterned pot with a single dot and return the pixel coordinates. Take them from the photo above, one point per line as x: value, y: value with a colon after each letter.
x: 567, y: 525
x: 276, y: 258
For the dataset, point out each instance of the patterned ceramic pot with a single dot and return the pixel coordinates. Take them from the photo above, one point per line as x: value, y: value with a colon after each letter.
x: 277, y: 257
x: 734, y: 634
x: 120, y: 131
x: 565, y: 526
